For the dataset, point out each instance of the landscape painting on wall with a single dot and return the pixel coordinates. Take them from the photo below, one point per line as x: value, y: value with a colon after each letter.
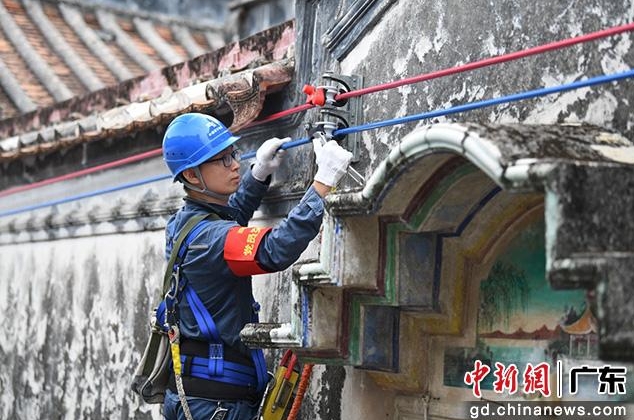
x: 522, y: 320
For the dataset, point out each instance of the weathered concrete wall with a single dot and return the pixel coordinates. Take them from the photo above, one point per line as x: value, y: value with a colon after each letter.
x: 75, y: 318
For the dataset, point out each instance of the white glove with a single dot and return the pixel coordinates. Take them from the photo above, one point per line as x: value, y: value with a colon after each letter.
x: 268, y: 158
x: 332, y: 161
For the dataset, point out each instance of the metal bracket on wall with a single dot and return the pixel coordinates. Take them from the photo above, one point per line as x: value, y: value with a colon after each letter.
x: 349, y: 110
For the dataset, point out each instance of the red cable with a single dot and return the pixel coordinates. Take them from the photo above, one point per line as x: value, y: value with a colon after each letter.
x: 86, y: 171
x: 291, y: 366
x: 301, y: 391
x: 281, y: 114
x: 489, y: 61
x: 459, y: 69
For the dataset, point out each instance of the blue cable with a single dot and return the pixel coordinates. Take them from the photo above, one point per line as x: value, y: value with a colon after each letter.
x: 466, y: 107
x: 364, y: 127
x: 85, y: 195
x: 288, y: 145
x: 488, y: 102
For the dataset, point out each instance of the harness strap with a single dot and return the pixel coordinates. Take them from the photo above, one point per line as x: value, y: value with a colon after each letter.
x: 172, y: 284
x: 203, y: 317
x: 215, y: 363
x: 234, y: 373
x: 257, y: 354
x: 213, y: 367
x: 171, y: 280
x: 184, y: 236
x: 192, y: 235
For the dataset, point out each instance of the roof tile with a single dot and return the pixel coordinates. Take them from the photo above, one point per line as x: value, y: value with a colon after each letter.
x: 79, y: 48
x: 13, y: 26
x: 40, y: 45
x: 127, y: 41
x: 83, y: 76
x: 78, y: 29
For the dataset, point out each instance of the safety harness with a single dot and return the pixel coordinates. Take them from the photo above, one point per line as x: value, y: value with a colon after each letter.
x: 213, y: 367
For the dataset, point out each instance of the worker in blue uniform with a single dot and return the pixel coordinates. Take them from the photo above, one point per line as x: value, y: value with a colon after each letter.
x: 200, y: 153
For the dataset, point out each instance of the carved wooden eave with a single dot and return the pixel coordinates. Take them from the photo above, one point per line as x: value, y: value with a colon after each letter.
x: 578, y: 177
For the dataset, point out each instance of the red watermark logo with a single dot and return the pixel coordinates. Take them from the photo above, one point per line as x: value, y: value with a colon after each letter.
x: 537, y: 378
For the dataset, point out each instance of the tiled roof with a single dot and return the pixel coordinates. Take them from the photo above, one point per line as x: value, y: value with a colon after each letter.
x: 71, y: 73
x: 53, y: 51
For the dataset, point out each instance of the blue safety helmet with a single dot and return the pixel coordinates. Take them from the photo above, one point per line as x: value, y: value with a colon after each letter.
x: 193, y: 138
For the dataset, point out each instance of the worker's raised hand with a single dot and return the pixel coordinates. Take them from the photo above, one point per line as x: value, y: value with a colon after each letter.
x: 332, y: 161
x: 268, y: 158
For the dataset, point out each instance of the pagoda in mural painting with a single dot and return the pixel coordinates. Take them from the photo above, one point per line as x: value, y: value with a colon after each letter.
x: 583, y: 335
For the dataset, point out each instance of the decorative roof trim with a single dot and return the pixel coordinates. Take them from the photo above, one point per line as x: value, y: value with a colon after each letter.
x: 149, y: 212
x: 141, y: 210
x: 40, y: 68
x: 81, y: 70
x: 75, y: 20
x: 149, y: 34
x: 244, y: 92
x: 108, y: 21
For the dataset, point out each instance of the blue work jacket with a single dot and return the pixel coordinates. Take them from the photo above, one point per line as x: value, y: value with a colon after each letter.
x: 228, y: 297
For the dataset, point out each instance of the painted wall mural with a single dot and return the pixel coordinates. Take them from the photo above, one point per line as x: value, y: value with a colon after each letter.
x: 522, y: 321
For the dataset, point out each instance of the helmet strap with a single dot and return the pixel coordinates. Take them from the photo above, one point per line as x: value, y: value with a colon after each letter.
x: 204, y: 190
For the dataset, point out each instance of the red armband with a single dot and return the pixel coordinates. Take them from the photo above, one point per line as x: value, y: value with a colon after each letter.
x: 241, y: 246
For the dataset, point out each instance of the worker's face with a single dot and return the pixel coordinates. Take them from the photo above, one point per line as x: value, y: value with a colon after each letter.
x: 219, y: 177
